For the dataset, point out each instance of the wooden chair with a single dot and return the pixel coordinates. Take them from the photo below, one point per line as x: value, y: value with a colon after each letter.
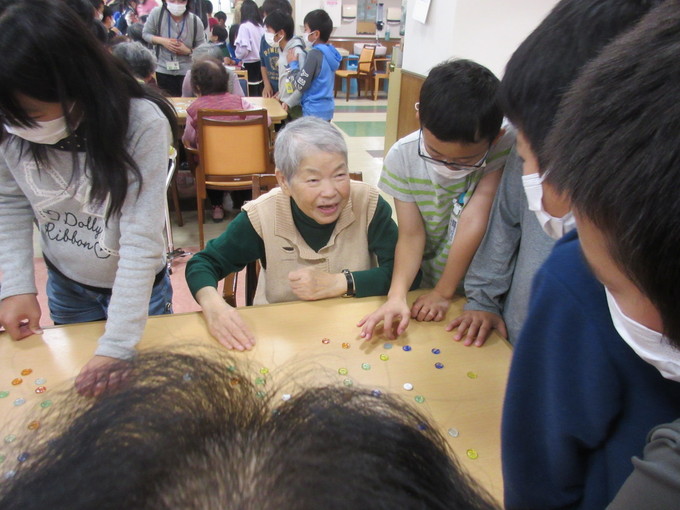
x: 380, y: 74
x: 262, y: 183
x: 363, y: 72
x: 232, y: 146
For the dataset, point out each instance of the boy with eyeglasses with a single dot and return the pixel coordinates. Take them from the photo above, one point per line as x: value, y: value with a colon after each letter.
x: 443, y: 178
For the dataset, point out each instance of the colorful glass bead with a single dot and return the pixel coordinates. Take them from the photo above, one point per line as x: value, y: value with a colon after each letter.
x: 406, y: 348
x: 34, y: 425
x: 439, y: 365
x: 260, y: 381
x: 264, y: 371
x: 45, y: 404
x: 472, y: 375
x: 472, y: 454
x: 23, y: 457
x: 325, y: 340
x: 436, y: 351
x: 40, y: 381
x: 285, y: 397
x: 347, y: 382
x: 419, y: 398
x: 345, y: 345
x: 40, y: 389
x: 342, y: 371
x: 422, y: 426
x: 187, y: 377
x: 4, y: 394
x: 453, y: 432
x: 366, y: 366
x: 17, y: 381
x: 234, y: 381
x: 408, y: 386
x: 27, y: 371
x: 10, y: 438
x: 261, y: 394
x: 231, y: 368
x: 384, y: 357
x: 387, y: 345
x: 20, y: 401
x: 376, y: 393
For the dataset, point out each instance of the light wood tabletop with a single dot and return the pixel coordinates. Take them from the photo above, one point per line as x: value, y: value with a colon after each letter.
x: 272, y: 105
x: 464, y: 397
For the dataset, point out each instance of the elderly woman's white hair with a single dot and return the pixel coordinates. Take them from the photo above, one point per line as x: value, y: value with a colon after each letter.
x: 139, y: 59
x: 302, y: 137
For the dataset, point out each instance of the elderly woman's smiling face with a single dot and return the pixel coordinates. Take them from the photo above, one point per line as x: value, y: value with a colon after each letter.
x: 320, y: 187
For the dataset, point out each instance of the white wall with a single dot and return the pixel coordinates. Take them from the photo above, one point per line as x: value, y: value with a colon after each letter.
x: 487, y: 31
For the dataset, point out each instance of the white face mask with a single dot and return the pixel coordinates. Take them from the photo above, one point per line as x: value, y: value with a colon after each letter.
x: 46, y: 132
x: 444, y: 171
x: 554, y: 227
x: 176, y: 9
x: 648, y: 344
x: 308, y: 43
x: 270, y: 38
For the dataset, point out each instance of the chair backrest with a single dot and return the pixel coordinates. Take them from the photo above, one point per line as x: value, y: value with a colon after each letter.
x: 233, y: 142
x: 366, y: 59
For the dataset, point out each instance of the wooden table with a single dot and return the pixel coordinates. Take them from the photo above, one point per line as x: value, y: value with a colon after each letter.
x: 273, y: 107
x: 465, y: 396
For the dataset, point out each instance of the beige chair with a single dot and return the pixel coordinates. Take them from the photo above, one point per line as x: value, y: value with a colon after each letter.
x: 363, y: 72
x: 381, y: 71
x: 262, y: 183
x: 232, y: 146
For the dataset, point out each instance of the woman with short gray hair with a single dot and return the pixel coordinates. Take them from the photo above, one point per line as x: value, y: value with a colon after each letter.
x: 138, y: 59
x: 202, y: 52
x: 317, y: 236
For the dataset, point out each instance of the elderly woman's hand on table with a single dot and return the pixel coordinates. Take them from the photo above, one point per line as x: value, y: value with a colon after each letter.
x: 224, y: 321
x: 310, y: 284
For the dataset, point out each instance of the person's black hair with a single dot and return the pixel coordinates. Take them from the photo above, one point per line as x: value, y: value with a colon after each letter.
x: 220, y: 32
x: 83, y: 8
x: 279, y: 20
x: 208, y: 77
x: 545, y: 64
x: 320, y: 20
x: 47, y: 53
x: 197, y: 432
x: 270, y: 6
x: 208, y: 7
x: 107, y: 12
x: 250, y: 12
x: 233, y: 33
x: 219, y: 15
x: 458, y: 102
x: 614, y: 152
x: 135, y: 33
x: 96, y: 4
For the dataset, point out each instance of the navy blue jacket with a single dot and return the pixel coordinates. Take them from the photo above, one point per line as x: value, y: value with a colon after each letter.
x: 579, y: 402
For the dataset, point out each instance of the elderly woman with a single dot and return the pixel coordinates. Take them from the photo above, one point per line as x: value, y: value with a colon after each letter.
x: 138, y: 58
x: 319, y: 235
x: 204, y: 51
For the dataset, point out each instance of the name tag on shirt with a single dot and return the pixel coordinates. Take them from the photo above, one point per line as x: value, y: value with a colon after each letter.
x: 172, y: 66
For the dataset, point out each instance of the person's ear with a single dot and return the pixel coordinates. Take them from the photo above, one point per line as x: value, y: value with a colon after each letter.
x: 283, y: 184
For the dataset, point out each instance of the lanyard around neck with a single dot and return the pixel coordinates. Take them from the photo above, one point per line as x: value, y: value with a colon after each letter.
x: 184, y: 21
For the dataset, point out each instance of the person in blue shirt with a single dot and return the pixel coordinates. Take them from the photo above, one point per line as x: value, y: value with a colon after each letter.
x: 317, y: 78
x: 593, y: 370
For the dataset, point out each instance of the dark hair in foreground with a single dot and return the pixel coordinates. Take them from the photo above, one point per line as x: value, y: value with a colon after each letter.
x: 319, y: 19
x: 547, y: 62
x: 458, y: 102
x: 269, y: 6
x: 250, y: 12
x: 192, y: 432
x: 47, y: 53
x: 615, y: 153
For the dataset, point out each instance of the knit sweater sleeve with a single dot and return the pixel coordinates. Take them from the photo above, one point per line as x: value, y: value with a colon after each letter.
x: 16, y: 228
x: 228, y: 253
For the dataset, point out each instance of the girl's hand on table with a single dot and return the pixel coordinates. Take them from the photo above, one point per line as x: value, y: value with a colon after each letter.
x: 430, y: 307
x: 20, y: 316
x: 479, y: 325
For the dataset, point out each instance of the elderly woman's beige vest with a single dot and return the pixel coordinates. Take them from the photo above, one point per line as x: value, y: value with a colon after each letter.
x: 286, y: 250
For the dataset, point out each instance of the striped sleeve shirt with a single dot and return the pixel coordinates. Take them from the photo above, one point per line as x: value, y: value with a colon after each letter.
x: 409, y: 178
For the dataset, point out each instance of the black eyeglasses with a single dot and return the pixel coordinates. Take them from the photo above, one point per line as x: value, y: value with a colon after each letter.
x: 450, y: 164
